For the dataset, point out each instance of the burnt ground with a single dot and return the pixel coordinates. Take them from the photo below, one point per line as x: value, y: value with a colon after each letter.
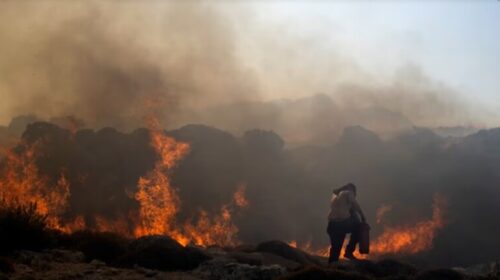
x: 159, y: 258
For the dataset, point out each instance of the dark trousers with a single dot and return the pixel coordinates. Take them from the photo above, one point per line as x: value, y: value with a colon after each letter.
x: 337, y: 231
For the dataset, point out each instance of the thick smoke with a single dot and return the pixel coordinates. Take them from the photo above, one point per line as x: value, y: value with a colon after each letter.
x: 103, y: 62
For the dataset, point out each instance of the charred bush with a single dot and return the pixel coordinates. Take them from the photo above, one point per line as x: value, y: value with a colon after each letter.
x: 105, y: 246
x: 284, y: 250
x: 162, y: 253
x: 22, y: 228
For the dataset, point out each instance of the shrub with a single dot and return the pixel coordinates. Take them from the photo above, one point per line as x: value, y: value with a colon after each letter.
x: 284, y: 250
x: 163, y: 253
x: 104, y: 246
x: 21, y: 227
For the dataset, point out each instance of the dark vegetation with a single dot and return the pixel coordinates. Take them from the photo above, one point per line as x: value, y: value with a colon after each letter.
x: 104, y: 246
x: 21, y: 228
x: 398, y: 271
x: 288, y: 188
x: 162, y: 253
x: 282, y: 249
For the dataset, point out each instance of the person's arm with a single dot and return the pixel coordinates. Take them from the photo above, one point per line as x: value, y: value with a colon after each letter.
x: 357, y: 208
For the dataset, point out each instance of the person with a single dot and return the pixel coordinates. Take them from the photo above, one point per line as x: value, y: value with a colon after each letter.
x: 345, y: 217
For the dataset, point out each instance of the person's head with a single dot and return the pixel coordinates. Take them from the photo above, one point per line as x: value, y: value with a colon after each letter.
x: 348, y: 187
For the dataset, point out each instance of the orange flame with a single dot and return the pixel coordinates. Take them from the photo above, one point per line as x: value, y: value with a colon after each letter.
x: 158, y: 200
x: 406, y: 239
x: 160, y: 203
x: 411, y: 239
x: 308, y: 248
x: 21, y: 184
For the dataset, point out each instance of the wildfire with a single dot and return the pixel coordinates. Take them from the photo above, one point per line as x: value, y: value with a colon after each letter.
x: 160, y: 203
x: 322, y: 252
x: 406, y: 239
x: 21, y: 184
x: 308, y: 248
x: 158, y: 200
x: 411, y: 239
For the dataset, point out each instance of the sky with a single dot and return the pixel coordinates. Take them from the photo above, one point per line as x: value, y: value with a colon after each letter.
x: 225, y: 51
x: 453, y: 42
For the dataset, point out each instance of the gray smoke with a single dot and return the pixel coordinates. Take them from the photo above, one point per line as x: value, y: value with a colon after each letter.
x: 107, y: 62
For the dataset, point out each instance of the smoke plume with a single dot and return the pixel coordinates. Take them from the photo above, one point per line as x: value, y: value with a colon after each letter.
x: 103, y: 62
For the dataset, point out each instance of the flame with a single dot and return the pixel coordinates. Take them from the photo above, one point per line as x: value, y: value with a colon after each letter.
x: 21, y: 184
x: 159, y: 204
x: 159, y: 201
x: 308, y: 248
x: 405, y: 239
x: 411, y: 239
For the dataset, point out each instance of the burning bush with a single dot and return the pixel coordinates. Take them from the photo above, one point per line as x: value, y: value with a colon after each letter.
x: 21, y: 227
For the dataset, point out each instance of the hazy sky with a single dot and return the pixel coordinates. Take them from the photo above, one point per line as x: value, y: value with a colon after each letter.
x: 221, y: 51
x: 454, y: 42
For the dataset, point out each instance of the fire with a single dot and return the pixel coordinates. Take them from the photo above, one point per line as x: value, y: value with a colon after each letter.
x: 308, y: 248
x: 21, y: 184
x: 159, y: 204
x: 411, y: 239
x: 159, y: 201
x: 406, y: 239
x: 220, y: 229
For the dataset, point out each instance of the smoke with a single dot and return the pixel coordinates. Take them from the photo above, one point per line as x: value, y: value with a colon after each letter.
x: 103, y: 62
